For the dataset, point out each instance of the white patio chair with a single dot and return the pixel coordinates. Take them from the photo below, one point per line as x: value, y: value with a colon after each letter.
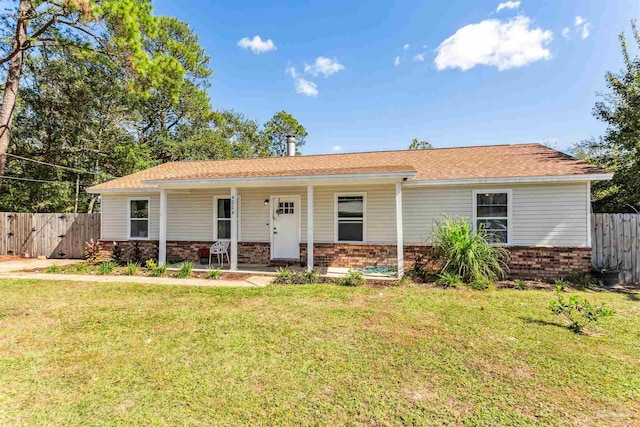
x: 220, y: 248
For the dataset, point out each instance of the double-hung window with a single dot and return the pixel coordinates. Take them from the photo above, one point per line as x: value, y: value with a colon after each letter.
x: 139, y: 218
x: 223, y: 218
x: 491, y: 214
x: 350, y: 217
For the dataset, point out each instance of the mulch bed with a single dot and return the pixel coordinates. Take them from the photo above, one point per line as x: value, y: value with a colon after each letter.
x: 7, y: 258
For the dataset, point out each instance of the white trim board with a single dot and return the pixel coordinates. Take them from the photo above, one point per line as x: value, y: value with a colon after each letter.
x: 510, y: 180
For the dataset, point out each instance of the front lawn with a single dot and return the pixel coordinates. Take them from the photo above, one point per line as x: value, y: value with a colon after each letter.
x: 102, y: 354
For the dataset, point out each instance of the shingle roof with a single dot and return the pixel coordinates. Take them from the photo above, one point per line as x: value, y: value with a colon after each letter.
x: 493, y: 161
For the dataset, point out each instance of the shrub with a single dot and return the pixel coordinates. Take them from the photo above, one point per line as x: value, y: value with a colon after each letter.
x: 116, y: 253
x: 581, y: 279
x: 422, y: 272
x: 92, y: 251
x: 137, y: 252
x: 132, y: 268
x: 468, y: 253
x: 353, y: 278
x: 156, y: 270
x: 81, y: 268
x: 107, y: 267
x: 449, y: 280
x: 185, y: 270
x: 53, y: 268
x: 579, y: 312
x: 214, y: 273
x: 561, y: 284
x: 481, y: 284
x: 287, y: 277
x: 521, y: 285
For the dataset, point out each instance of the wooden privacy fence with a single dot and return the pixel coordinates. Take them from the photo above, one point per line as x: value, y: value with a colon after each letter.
x: 54, y: 235
x: 615, y: 238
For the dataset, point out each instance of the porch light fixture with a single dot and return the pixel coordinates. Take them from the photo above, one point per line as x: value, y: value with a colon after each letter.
x: 266, y: 202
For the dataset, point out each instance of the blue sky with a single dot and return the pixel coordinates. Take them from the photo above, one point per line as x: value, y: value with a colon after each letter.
x: 527, y: 73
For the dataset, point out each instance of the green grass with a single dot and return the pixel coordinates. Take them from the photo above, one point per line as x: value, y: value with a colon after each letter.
x: 124, y: 354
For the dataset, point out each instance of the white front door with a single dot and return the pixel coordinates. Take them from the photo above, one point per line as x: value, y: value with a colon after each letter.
x: 285, y: 227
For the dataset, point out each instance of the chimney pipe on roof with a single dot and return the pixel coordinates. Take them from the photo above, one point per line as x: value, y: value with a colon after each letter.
x: 291, y: 145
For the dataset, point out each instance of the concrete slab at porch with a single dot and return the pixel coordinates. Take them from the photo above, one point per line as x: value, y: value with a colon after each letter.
x: 266, y: 270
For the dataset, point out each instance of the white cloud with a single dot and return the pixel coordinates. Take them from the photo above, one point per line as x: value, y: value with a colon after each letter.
x: 291, y: 71
x: 508, y: 5
x: 586, y: 30
x: 303, y: 86
x: 256, y: 44
x: 496, y: 43
x: 306, y: 87
x: 565, y: 32
x: 336, y: 148
x: 323, y: 65
x: 406, y: 46
x: 396, y: 61
x: 419, y: 57
x: 579, y: 21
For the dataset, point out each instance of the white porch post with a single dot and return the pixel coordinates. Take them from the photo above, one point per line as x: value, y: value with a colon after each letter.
x: 234, y: 228
x: 399, y: 234
x: 162, y: 249
x: 310, y: 227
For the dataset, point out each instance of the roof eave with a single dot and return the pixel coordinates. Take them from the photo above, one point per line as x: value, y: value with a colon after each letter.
x: 239, y: 181
x: 511, y: 179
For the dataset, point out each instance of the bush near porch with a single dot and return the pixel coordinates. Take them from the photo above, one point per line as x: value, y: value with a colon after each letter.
x: 74, y: 353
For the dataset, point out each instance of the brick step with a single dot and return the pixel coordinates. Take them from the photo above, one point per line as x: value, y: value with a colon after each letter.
x: 283, y: 262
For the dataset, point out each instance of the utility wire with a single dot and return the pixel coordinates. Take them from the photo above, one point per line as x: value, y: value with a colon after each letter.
x: 55, y: 166
x: 42, y: 180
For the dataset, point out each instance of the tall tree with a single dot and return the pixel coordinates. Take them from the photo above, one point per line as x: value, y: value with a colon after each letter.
x: 420, y: 145
x: 75, y: 113
x: 169, y: 119
x: 619, y: 148
x: 277, y: 129
x: 117, y: 29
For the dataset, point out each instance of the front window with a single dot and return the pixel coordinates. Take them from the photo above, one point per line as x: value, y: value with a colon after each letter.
x: 139, y: 219
x: 350, y: 218
x: 492, y: 215
x: 223, y: 219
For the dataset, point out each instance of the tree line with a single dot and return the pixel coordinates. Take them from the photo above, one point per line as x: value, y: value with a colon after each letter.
x: 97, y: 90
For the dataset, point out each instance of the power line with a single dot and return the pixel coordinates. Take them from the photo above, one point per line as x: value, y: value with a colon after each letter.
x: 42, y: 180
x: 55, y: 166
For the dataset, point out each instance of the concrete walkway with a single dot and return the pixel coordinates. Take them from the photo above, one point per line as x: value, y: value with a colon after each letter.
x: 14, y: 270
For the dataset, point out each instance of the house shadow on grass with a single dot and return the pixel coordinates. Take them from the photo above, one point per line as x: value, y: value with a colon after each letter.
x: 531, y: 320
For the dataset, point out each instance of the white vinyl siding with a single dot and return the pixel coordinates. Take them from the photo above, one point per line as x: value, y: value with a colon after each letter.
x: 380, y: 212
x: 542, y: 214
x: 115, y: 211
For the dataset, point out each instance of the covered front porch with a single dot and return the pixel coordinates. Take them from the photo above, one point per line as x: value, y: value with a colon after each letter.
x: 328, y: 224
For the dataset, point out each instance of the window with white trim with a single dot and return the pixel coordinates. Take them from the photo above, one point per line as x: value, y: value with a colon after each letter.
x: 223, y: 218
x: 492, y: 215
x: 138, y: 218
x: 350, y: 218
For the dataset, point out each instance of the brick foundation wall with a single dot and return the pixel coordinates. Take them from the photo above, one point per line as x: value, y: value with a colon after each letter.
x: 254, y: 252
x: 351, y: 255
x: 548, y: 263
x: 178, y: 251
x: 148, y: 249
x: 525, y: 262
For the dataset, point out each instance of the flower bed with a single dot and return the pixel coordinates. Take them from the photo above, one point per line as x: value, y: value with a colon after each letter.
x: 141, y: 271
